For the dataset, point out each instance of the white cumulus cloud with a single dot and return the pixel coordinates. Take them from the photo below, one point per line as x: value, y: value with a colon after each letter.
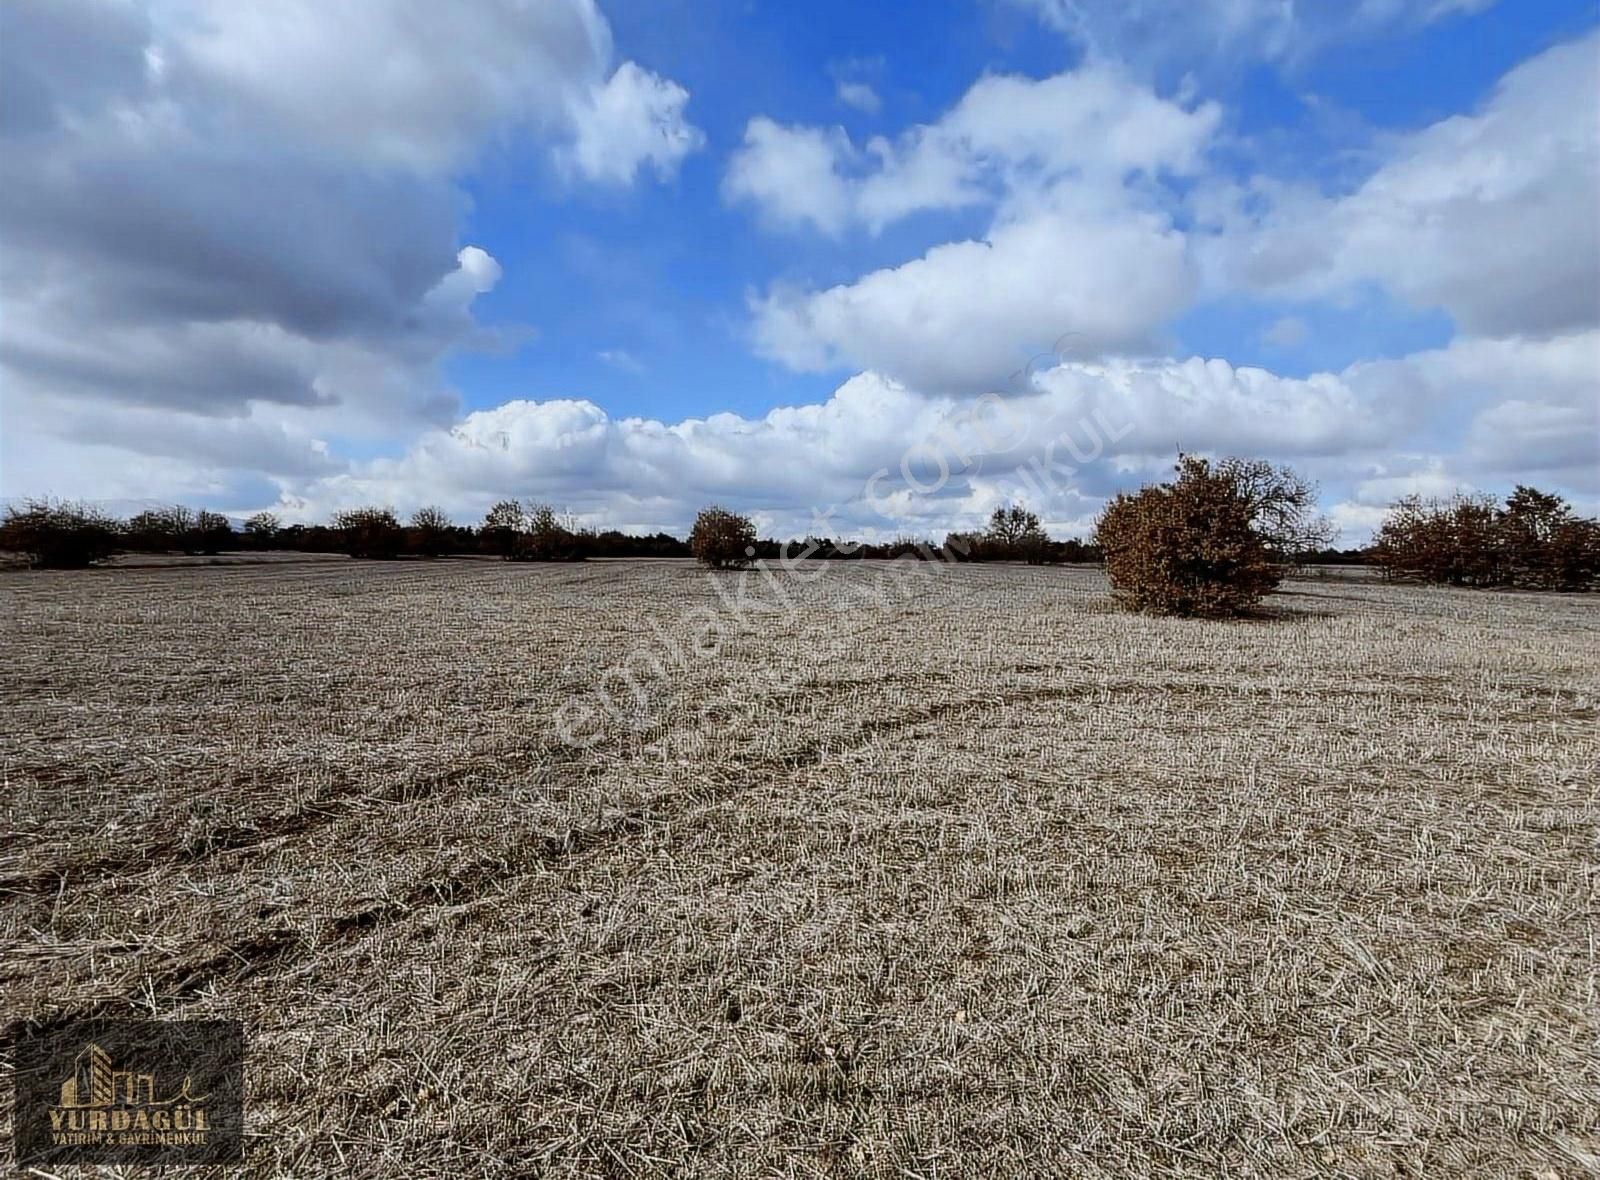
x: 636, y: 118
x: 1490, y: 216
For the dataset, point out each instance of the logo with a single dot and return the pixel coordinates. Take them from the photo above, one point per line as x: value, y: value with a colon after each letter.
x: 135, y: 1091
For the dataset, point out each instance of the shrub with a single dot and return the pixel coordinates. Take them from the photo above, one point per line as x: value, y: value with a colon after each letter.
x: 549, y: 538
x: 722, y: 539
x: 174, y: 527
x: 159, y: 530
x: 965, y: 547
x: 1210, y: 543
x: 60, y: 534
x: 1534, y: 541
x: 369, y: 532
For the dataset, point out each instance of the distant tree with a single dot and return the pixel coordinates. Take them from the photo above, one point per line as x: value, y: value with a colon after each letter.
x: 58, y: 534
x: 907, y: 546
x: 1544, y: 544
x: 1534, y: 541
x: 1010, y: 524
x: 503, y: 529
x: 430, y: 532
x: 551, y: 538
x: 722, y: 539
x: 965, y: 547
x: 1412, y: 540
x: 1476, y: 556
x: 1211, y: 542
x: 1359, y: 555
x: 1449, y: 542
x: 210, y: 533
x: 1015, y: 534
x: 613, y: 543
x: 1573, y: 561
x: 261, y: 530
x: 159, y: 530
x: 1076, y: 551
x: 310, y: 538
x: 369, y: 532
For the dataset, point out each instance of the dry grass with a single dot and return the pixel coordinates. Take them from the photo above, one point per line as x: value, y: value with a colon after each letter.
x: 992, y: 881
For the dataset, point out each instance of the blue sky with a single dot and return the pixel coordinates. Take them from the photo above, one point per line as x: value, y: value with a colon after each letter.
x: 295, y: 259
x: 660, y: 272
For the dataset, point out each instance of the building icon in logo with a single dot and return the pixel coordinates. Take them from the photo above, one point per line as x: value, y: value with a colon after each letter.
x: 95, y: 1084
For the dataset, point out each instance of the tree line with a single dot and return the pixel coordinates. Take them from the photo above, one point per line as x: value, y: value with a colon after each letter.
x: 1210, y: 542
x: 1534, y: 540
x: 69, y: 535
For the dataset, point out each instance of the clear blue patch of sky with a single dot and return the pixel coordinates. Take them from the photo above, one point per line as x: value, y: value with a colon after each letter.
x: 1446, y: 68
x: 1328, y: 336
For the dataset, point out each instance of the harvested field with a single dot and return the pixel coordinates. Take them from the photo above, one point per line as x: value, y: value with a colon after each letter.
x: 978, y: 878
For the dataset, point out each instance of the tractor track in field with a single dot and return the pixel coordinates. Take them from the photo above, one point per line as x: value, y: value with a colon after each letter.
x: 187, y: 978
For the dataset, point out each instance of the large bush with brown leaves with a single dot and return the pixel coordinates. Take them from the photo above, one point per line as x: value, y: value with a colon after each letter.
x: 1212, y: 542
x: 1534, y: 541
x: 722, y: 539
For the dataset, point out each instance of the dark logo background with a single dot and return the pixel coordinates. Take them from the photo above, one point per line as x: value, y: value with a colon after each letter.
x: 132, y: 1092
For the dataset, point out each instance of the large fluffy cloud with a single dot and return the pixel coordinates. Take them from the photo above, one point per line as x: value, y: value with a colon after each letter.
x: 420, y: 84
x: 1082, y: 239
x: 1490, y: 216
x: 1479, y: 415
x: 251, y: 213
x: 877, y: 457
x: 962, y: 316
x: 1504, y: 409
x: 1007, y: 138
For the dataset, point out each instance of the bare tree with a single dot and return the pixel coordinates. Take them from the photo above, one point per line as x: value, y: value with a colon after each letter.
x: 553, y: 538
x: 430, y: 531
x: 1282, y: 505
x: 503, y: 528
x: 58, y: 534
x: 212, y: 533
x: 261, y: 530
